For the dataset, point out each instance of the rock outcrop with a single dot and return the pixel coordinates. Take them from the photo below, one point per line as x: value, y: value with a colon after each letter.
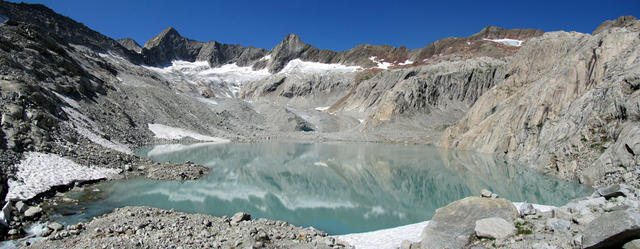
x: 453, y: 225
x: 130, y: 44
x: 565, y: 104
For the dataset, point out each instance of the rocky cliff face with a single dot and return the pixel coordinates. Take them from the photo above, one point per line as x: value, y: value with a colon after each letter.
x: 566, y: 104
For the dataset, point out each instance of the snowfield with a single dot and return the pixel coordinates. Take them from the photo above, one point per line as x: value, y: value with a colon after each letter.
x: 172, y: 133
x: 308, y: 67
x: 39, y: 172
x: 508, y: 42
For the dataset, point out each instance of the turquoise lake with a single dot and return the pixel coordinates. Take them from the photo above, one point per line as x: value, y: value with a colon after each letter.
x: 339, y: 188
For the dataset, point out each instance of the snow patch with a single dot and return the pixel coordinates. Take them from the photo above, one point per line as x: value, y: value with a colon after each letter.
x: 308, y: 67
x: 385, y: 238
x: 506, y: 41
x: 322, y: 108
x: 381, y: 63
x: 407, y: 62
x: 172, y: 133
x: 39, y: 172
x: 321, y: 164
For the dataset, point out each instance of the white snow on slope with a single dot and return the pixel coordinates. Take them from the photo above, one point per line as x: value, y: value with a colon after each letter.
x: 407, y: 62
x: 38, y: 172
x: 322, y: 108
x: 506, y: 41
x: 87, y: 128
x: 229, y: 76
x: 173, y: 133
x: 308, y: 67
x: 381, y: 63
x: 385, y: 238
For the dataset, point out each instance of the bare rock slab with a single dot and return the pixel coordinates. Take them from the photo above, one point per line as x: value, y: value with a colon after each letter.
x: 494, y: 228
x: 453, y: 225
x: 612, y: 230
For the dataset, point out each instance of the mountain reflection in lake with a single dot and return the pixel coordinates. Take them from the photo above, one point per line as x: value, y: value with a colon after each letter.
x: 336, y: 187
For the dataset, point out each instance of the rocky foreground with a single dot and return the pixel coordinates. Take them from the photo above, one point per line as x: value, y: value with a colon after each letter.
x: 610, y: 218
x: 144, y: 227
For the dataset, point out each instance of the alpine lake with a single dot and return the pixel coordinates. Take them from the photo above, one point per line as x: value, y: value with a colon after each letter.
x: 337, y: 187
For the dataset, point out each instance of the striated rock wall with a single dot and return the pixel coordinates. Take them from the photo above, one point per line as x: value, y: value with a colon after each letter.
x: 422, y: 89
x: 568, y: 105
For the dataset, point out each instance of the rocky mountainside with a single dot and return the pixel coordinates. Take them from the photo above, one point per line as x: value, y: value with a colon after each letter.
x: 567, y: 104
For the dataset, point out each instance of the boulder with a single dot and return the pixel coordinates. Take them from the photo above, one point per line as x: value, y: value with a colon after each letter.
x: 20, y: 206
x: 485, y: 193
x: 611, y: 191
x: 528, y: 209
x: 494, y: 228
x: 239, y: 217
x: 453, y: 225
x: 32, y: 211
x: 55, y: 226
x: 634, y: 244
x: 558, y: 225
x: 612, y: 230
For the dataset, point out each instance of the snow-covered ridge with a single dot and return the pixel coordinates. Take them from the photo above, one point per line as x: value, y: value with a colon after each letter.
x: 506, y: 41
x: 39, y: 172
x: 172, y: 133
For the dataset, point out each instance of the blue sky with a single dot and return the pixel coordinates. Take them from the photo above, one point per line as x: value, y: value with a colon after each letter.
x: 331, y: 24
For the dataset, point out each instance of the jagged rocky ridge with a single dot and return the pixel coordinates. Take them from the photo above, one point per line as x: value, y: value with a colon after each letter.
x: 563, y: 102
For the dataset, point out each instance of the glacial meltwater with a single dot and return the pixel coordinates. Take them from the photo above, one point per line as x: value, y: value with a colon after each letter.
x: 339, y: 188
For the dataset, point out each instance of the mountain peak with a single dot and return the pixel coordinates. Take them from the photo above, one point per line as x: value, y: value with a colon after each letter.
x: 168, y: 33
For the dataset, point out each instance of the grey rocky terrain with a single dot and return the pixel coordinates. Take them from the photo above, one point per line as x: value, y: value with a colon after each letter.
x: 563, y: 103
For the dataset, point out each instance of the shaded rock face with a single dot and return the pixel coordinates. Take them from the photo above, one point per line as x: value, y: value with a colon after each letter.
x: 63, y: 28
x: 130, y: 44
x: 565, y: 103
x: 453, y: 225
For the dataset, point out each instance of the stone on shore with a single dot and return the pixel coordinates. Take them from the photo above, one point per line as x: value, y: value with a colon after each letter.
x: 612, y: 191
x: 55, y: 226
x: 239, y: 217
x: 494, y: 228
x: 612, y: 230
x: 558, y: 225
x: 32, y: 211
x: 634, y: 244
x: 453, y: 225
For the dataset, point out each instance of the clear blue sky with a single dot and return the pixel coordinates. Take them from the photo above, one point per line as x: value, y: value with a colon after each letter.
x: 334, y: 24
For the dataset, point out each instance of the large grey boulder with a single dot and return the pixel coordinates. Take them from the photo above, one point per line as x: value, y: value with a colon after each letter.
x: 612, y: 230
x: 494, y: 228
x: 32, y: 211
x: 611, y: 191
x: 634, y: 244
x: 453, y: 225
x: 558, y: 225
